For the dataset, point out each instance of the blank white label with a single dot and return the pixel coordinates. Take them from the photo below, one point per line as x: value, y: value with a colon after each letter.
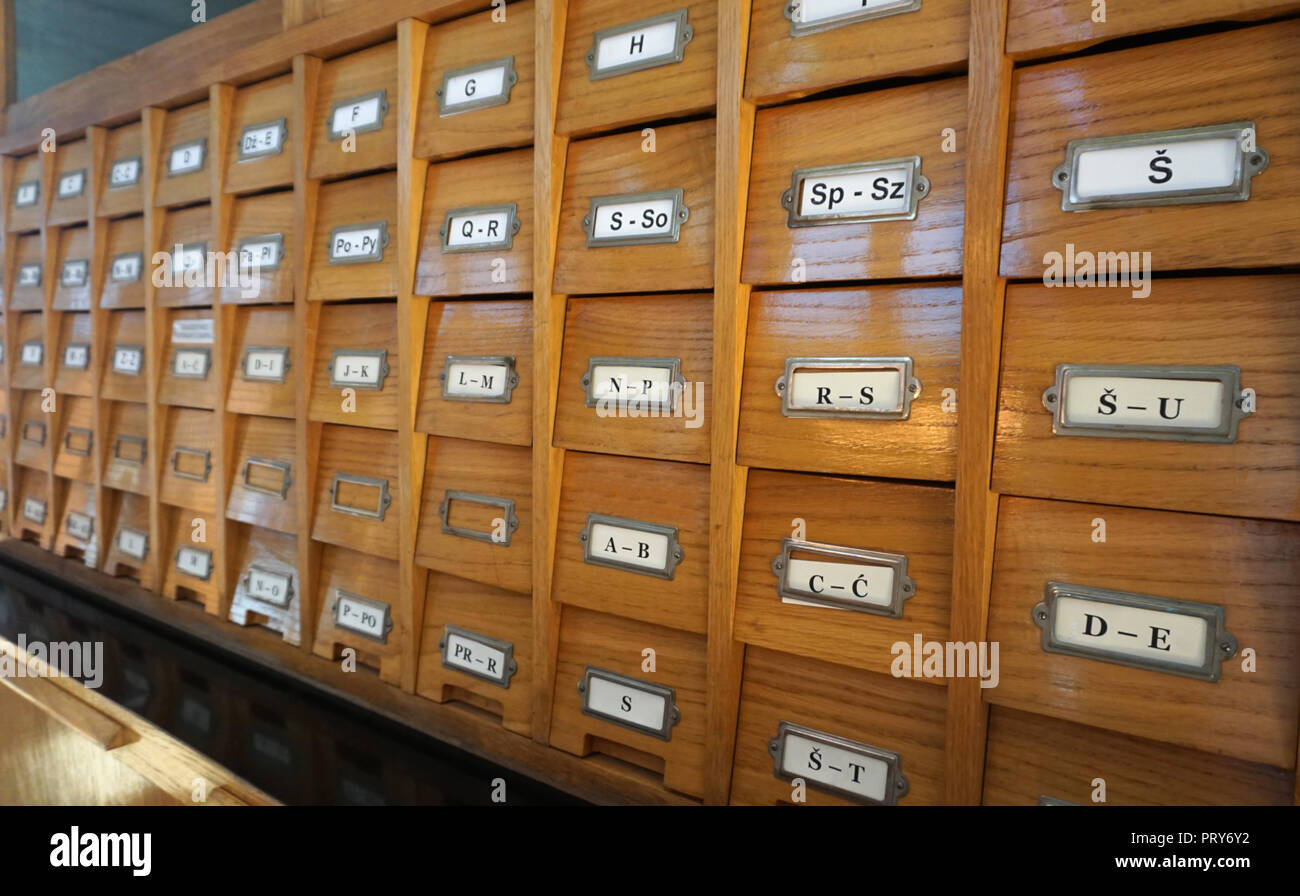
x: 1156, y: 168
x: 80, y: 526
x: 364, y: 242
x: 189, y: 258
x: 883, y: 191
x: 1134, y: 401
x: 126, y: 267
x: 33, y: 353
x: 484, y: 229
x: 846, y: 390
x: 1148, y: 635
x: 265, y: 364
x: 264, y: 253
x: 477, y: 380
x: 190, y: 363
x: 126, y: 359
x: 34, y: 510
x: 195, y: 562
x: 29, y: 275
x: 475, y: 656
x: 74, y: 272
x: 261, y: 140
x: 639, y: 45
x: 859, y: 582
x: 132, y: 542
x: 186, y: 157
x: 629, y: 547
x: 352, y: 116
x: 641, y: 219
x: 268, y: 586
x: 124, y: 173
x: 358, y: 370
x: 362, y: 617
x: 193, y: 331
x: 834, y: 766
x: 76, y: 355
x: 71, y: 184
x: 645, y: 385
x: 474, y: 87
x: 629, y: 705
x: 26, y: 193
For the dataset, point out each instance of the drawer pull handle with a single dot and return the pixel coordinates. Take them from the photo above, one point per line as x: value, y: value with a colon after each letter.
x: 490, y: 86
x: 622, y: 49
x: 190, y: 471
x: 650, y: 549
x: 85, y: 439
x: 877, y: 780
x: 33, y: 426
x: 487, y: 658
x: 490, y: 378
x: 381, y: 503
x: 811, y: 16
x: 362, y: 616
x: 652, y: 385
x: 848, y: 388
x: 828, y: 575
x: 135, y: 454
x: 639, y: 705
x: 479, y: 228
x: 279, y: 470
x: 506, y: 506
x: 856, y: 193
x: 636, y: 219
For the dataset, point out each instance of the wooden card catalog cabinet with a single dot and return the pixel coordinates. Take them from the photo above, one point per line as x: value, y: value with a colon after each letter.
x: 73, y: 373
x: 1181, y: 413
x: 1198, y: 168
x: 121, y: 188
x: 357, y: 365
x: 798, y: 48
x: 27, y: 280
x: 126, y: 525
x: 260, y: 155
x: 860, y: 381
x: 188, y: 477
x: 78, y: 529
x: 478, y: 372
x: 181, y: 176
x: 356, y: 490
x: 851, y: 737
x: 636, y: 376
x: 266, y: 588
x: 1035, y: 760
x: 848, y: 585
x: 189, y: 272
x: 477, y: 648
x: 628, y: 551
x: 605, y: 703
x: 476, y: 516
x: 74, y: 449
x: 72, y: 260
x: 33, y: 517
x: 190, y: 564
x: 263, y: 238
x: 1145, y: 632
x: 124, y: 357
x: 356, y: 596
x: 264, y: 373
x: 126, y: 447
x: 858, y: 187
x: 29, y: 350
x: 352, y: 254
x: 125, y: 269
x: 261, y: 489
x: 476, y: 84
x: 476, y: 237
x: 635, y: 221
x: 27, y: 194
x: 354, y: 124
x: 72, y: 184
x: 187, y: 376
x: 629, y: 64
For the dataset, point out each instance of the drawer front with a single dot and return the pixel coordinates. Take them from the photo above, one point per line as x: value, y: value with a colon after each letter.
x: 74, y: 452
x: 476, y: 84
x: 126, y: 447
x: 1249, y: 75
x: 190, y: 564
x: 261, y: 487
x: 613, y: 347
x: 602, y: 518
x: 850, y: 409
x: 125, y: 269
x: 189, y: 478
x: 188, y: 376
x: 837, y: 45
x: 182, y: 169
x: 1246, y: 567
x: 477, y: 233
x: 266, y: 588
x: 901, y: 719
x: 465, y: 343
x: 613, y: 645
x: 361, y: 342
x: 346, y: 576
x: 126, y: 527
x: 477, y: 648
x: 72, y: 184
x: 476, y: 516
x: 869, y: 236
x: 33, y: 516
x: 1030, y: 757
x: 357, y: 490
x: 73, y: 371
x: 78, y: 521
x: 352, y: 252
x: 647, y: 65
x: 26, y: 197
x: 125, y: 357
x: 34, y: 431
x: 1042, y: 452
x: 185, y: 280
x: 260, y: 154
x: 264, y: 373
x: 71, y: 272
x: 263, y: 238
x: 637, y: 190
x: 29, y: 350
x: 29, y: 277
x: 356, y: 107
x: 121, y: 189
x: 866, y: 583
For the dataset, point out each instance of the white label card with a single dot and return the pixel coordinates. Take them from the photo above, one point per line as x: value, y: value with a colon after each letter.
x: 1155, y: 168
x: 272, y: 587
x: 34, y: 510
x: 74, y: 272
x: 848, y: 390
x: 187, y: 157
x: 358, y: 243
x: 29, y: 275
x: 189, y: 258
x: 265, y: 364
x: 859, y: 582
x: 633, y: 384
x: 71, y: 184
x: 1153, y: 403
x: 27, y: 193
x: 264, y: 252
x: 195, y: 562
x: 33, y: 353
x: 471, y: 380
x: 629, y: 547
x: 124, y: 173
x: 834, y: 766
x: 193, y: 331
x: 480, y: 230
x: 358, y: 370
x: 475, y: 657
x: 126, y: 359
x: 638, y: 46
x: 646, y: 218
x: 474, y: 87
x: 1136, y: 632
x: 629, y: 705
x: 880, y: 192
x: 126, y: 267
x: 365, y: 113
x: 133, y: 543
x: 191, y: 363
x: 76, y: 355
x: 80, y: 526
x: 261, y: 140
x: 363, y: 616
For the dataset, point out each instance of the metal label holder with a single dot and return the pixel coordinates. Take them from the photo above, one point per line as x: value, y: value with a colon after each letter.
x: 509, y: 383
x: 679, y: 215
x: 896, y: 784
x: 38, y: 426
x: 139, y: 267
x: 130, y: 440
x: 676, y: 382
x: 506, y: 505
x: 139, y: 353
x: 82, y: 366
x: 381, y: 357
x: 508, y: 665
x: 802, y: 29
x: 282, y: 467
x: 673, y: 554
x: 508, y: 81
x: 246, y: 580
x: 79, y: 525
x: 76, y: 264
x: 281, y: 350
x: 254, y: 154
x: 376, y: 125
x: 144, y: 542
x: 31, y: 284
x: 206, y: 353
x: 904, y: 587
x: 40, y: 511
x: 909, y: 387
x: 684, y: 34
x: 376, y: 255
x: 340, y: 595
x: 671, y: 714
x: 123, y: 184
x: 365, y: 482
x: 73, y: 194
x: 505, y: 241
x: 201, y: 552
x: 40, y: 351
x: 919, y: 182
x: 276, y: 238
x: 22, y: 188
x: 202, y: 144
x: 81, y: 431
x: 191, y: 452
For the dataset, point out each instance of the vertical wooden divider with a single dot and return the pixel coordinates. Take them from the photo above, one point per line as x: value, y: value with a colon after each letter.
x: 50, y: 335
x: 221, y: 107
x: 7, y: 164
x: 98, y: 238
x: 151, y: 144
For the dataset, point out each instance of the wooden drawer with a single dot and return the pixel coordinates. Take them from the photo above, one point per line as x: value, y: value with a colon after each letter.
x: 73, y: 373
x: 803, y: 140
x: 652, y: 65
x: 612, y: 347
x: 262, y: 231
x: 357, y: 500
x: 477, y: 233
x: 121, y: 189
x: 363, y: 339
x: 355, y: 94
x: 476, y: 516
x: 74, y: 450
x: 353, y: 216
x: 1030, y: 757
x: 1257, y: 473
x: 72, y: 184
x: 477, y: 648
x: 72, y: 269
x: 262, y: 352
x: 5, y: 421
x: 124, y: 361
x: 349, y: 575
x: 616, y: 166
x: 34, y: 518
x: 879, y: 333
x: 78, y: 522
x: 126, y: 446
x: 675, y: 532
x: 27, y: 204
x: 27, y: 280
x: 126, y: 549
x: 191, y: 229
x: 260, y: 154
x: 609, y: 644
x: 909, y: 543
x: 188, y: 476
x: 1250, y: 75
x: 261, y: 486
x: 266, y: 593
x: 187, y: 375
x: 182, y: 171
x: 190, y: 563
x: 1246, y: 567
x: 498, y: 334
x: 901, y: 37
x: 904, y: 719
x: 124, y: 264
x: 27, y: 333
x: 33, y: 430
x: 476, y: 84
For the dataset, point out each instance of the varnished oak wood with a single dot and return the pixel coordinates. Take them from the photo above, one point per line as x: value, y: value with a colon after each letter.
x: 181, y: 126
x: 73, y: 432
x: 72, y: 496
x: 121, y: 144
x: 262, y: 327
x: 180, y: 528
x: 188, y: 437
x: 75, y: 329
x: 370, y: 577
x: 71, y: 156
x: 345, y: 79
x: 33, y: 483
x: 370, y: 327
x: 72, y: 244
x: 124, y: 328
x: 125, y: 447
x: 191, y: 392
x: 259, y: 216
x: 357, y: 451
x: 27, y: 249
x: 274, y: 552
x: 28, y: 217
x: 124, y: 236
x: 249, y: 499
x: 259, y: 104
x: 360, y: 200
x: 189, y: 226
